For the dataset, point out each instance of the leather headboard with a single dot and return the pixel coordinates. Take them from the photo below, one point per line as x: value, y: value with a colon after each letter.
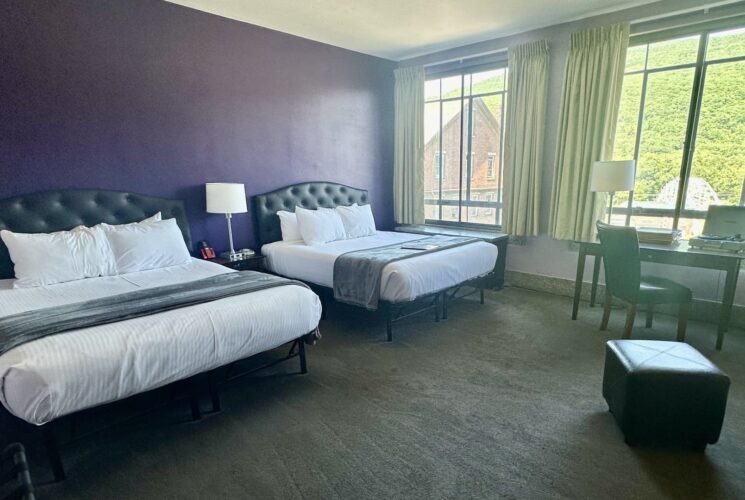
x: 310, y: 195
x: 64, y: 209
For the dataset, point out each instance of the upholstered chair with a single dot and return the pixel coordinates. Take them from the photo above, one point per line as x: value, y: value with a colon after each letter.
x: 623, y: 280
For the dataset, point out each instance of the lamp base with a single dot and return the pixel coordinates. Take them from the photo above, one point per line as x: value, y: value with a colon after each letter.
x: 239, y: 255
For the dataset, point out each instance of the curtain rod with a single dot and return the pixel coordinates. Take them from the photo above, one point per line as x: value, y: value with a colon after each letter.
x: 463, y: 58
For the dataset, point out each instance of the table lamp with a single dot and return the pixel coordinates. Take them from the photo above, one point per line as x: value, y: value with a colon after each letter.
x: 226, y: 198
x: 612, y: 176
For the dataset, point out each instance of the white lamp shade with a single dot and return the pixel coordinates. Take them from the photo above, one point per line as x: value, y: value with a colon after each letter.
x: 612, y: 176
x: 226, y: 198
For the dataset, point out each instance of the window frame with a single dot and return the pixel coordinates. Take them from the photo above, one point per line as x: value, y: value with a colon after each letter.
x: 700, y: 67
x: 466, y: 103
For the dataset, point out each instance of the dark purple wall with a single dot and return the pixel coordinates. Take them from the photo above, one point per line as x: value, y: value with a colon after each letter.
x: 150, y: 97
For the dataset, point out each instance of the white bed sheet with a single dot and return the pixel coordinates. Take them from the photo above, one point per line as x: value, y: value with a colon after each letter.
x: 60, y: 374
x: 402, y: 281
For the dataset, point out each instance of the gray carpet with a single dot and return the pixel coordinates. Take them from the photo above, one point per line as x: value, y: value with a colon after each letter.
x: 502, y: 400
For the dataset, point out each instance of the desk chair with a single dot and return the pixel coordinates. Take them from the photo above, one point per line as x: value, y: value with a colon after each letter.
x: 623, y: 279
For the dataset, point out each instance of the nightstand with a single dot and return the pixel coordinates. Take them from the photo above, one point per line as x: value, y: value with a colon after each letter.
x: 253, y: 263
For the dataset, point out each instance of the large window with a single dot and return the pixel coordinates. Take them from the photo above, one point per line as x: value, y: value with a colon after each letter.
x: 464, y: 122
x: 682, y: 117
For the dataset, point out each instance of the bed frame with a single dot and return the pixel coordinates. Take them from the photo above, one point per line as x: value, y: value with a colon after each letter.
x: 64, y: 209
x: 312, y: 195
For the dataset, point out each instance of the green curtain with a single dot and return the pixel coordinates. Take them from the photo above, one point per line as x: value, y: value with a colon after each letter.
x: 523, y: 142
x: 408, y: 155
x: 587, y: 126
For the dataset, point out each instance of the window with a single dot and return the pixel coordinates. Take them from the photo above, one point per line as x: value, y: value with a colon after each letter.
x: 682, y: 119
x: 464, y: 114
x: 490, y: 166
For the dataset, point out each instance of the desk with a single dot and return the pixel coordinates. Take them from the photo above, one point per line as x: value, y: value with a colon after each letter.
x: 494, y: 237
x: 679, y: 255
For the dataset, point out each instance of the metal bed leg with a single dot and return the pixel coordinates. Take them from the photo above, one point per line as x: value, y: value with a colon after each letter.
x: 214, y: 393
x: 436, y: 304
x: 389, y: 323
x: 445, y: 304
x: 50, y: 443
x: 196, y: 413
x: 301, y: 354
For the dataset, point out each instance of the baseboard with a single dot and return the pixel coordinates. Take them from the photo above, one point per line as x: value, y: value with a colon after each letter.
x: 702, y: 310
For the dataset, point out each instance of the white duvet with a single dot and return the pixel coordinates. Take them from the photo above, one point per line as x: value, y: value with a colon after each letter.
x: 60, y: 374
x: 402, y: 281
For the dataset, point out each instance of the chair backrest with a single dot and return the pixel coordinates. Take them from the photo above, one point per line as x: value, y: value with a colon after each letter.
x: 620, y: 248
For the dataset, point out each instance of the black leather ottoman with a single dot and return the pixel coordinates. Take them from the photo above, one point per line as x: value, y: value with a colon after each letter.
x: 664, y: 393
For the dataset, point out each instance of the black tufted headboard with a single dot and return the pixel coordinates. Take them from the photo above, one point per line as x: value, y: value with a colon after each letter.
x: 64, y: 209
x: 310, y: 195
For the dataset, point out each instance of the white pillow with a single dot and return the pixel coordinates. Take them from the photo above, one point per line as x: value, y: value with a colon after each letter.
x: 48, y: 258
x: 288, y: 224
x: 139, y: 247
x: 358, y: 220
x: 319, y: 226
x: 115, y: 227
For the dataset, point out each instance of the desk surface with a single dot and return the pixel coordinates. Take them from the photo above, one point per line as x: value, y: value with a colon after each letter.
x: 681, y: 246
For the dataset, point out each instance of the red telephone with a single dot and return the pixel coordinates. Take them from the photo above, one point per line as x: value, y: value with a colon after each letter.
x: 207, y: 251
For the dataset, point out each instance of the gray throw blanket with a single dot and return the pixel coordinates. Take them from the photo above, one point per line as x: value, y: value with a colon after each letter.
x: 31, y: 325
x: 357, y: 274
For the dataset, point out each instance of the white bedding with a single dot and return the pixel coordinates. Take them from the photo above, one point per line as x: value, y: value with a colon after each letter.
x: 402, y: 281
x: 60, y: 374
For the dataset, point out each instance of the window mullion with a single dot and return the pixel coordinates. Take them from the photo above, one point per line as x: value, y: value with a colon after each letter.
x: 441, y: 166
x: 693, y: 113
x: 460, y: 152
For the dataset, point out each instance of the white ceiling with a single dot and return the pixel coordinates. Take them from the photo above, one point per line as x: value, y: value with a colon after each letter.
x: 399, y: 29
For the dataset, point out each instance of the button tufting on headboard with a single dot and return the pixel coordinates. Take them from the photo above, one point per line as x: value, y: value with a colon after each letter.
x: 309, y: 195
x: 64, y: 209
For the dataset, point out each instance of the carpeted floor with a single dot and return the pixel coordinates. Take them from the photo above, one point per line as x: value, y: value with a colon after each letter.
x: 502, y: 400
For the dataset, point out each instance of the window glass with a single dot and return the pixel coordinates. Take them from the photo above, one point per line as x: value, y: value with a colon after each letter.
x: 718, y: 166
x: 636, y: 58
x: 664, y: 124
x: 673, y: 52
x: 726, y: 44
x: 451, y: 137
x: 432, y: 90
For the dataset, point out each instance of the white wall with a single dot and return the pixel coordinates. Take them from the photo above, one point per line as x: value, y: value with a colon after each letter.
x: 543, y: 255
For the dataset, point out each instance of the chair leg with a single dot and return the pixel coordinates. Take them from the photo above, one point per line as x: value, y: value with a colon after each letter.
x: 630, y: 316
x: 606, y: 311
x: 683, y: 311
x: 650, y: 315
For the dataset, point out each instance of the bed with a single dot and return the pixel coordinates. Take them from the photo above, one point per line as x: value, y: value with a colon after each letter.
x: 46, y: 379
x: 423, y: 283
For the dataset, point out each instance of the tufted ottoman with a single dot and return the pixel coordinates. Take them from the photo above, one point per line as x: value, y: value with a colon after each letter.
x: 664, y: 392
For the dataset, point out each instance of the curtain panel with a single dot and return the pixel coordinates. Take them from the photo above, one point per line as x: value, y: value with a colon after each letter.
x: 523, y: 148
x: 587, y: 126
x: 408, y: 156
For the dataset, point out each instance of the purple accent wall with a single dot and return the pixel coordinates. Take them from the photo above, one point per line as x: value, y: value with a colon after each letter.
x: 151, y: 97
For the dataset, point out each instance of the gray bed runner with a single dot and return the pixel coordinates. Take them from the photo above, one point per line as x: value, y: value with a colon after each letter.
x: 357, y: 274
x: 31, y: 325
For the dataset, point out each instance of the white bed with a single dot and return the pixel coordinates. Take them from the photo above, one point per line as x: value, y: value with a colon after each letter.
x: 402, y: 281
x: 61, y: 374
